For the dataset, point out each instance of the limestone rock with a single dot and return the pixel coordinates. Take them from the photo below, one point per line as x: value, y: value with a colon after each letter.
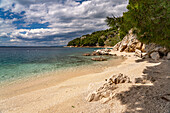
x: 122, y: 47
x: 168, y: 56
x: 138, y: 53
x: 105, y: 94
x: 95, y: 53
x: 129, y: 43
x: 90, y: 97
x: 116, y: 47
x: 143, y: 49
x: 155, y: 56
x: 86, y: 54
x: 105, y: 100
x: 139, y: 45
x: 116, y: 79
x: 131, y: 49
x: 98, y: 59
x: 97, y: 97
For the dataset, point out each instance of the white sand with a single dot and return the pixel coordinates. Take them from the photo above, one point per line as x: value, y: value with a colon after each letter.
x: 69, y: 96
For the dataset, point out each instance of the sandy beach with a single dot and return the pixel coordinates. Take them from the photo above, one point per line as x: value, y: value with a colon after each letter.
x: 68, y: 95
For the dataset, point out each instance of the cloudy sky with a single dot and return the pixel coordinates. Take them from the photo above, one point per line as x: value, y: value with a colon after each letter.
x: 53, y: 22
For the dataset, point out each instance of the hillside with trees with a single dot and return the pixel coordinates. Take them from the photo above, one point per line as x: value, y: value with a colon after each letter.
x: 150, y: 20
x: 107, y: 37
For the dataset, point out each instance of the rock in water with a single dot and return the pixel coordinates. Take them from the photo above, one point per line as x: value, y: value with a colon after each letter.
x: 99, y: 59
x: 86, y: 54
x: 155, y: 55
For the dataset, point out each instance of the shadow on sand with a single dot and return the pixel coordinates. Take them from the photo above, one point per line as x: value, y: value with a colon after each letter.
x: 153, y: 96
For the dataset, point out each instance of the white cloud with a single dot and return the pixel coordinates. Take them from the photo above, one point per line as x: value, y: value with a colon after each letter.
x: 63, y: 16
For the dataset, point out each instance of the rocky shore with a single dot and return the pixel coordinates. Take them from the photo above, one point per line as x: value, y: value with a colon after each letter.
x: 139, y: 84
x: 109, y: 90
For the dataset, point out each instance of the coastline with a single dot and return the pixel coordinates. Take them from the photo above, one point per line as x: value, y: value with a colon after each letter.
x: 49, y: 79
x: 88, y: 46
x: 69, y: 96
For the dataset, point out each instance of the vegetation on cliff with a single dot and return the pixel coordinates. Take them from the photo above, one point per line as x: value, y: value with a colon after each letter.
x: 149, y: 19
x: 99, y: 38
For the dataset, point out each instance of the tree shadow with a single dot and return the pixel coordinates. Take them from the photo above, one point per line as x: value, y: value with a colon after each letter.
x: 153, y: 95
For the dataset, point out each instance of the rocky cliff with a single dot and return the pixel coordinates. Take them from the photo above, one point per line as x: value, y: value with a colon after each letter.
x: 130, y: 43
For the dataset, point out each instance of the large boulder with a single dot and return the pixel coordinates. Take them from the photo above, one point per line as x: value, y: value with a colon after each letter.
x: 150, y: 48
x: 129, y: 43
x: 155, y: 55
x: 168, y: 56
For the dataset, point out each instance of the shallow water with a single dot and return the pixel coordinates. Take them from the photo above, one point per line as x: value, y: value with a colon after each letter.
x: 16, y: 63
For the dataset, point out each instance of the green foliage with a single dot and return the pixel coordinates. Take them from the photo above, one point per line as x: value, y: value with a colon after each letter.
x: 149, y: 18
x: 101, y: 42
x: 152, y: 20
x: 75, y: 42
x: 113, y: 40
x: 98, y: 38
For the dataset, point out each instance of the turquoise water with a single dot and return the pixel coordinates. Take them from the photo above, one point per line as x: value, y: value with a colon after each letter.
x: 26, y: 61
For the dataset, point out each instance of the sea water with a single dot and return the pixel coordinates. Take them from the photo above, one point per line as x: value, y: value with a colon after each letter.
x: 20, y: 62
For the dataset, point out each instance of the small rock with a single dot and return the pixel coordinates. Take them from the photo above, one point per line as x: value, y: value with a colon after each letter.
x: 138, y: 53
x: 143, y: 48
x: 106, y: 94
x: 86, y: 54
x: 113, y: 54
x: 155, y: 56
x: 105, y: 100
x: 166, y: 97
x: 100, y: 88
x: 99, y: 59
x: 90, y: 97
x: 168, y: 56
x: 97, y: 97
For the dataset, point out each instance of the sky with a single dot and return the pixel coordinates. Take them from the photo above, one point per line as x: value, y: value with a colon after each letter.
x: 53, y: 22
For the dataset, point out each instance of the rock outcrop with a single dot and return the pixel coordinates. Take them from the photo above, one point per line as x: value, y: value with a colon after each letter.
x: 106, y: 92
x: 129, y: 44
x: 99, y: 52
x: 156, y: 52
x: 99, y: 59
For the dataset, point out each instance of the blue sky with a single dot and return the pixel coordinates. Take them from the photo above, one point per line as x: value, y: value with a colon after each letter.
x: 53, y: 22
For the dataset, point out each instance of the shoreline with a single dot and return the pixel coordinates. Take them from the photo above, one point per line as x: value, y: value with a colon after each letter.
x: 88, y: 46
x: 69, y: 96
x: 49, y: 79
